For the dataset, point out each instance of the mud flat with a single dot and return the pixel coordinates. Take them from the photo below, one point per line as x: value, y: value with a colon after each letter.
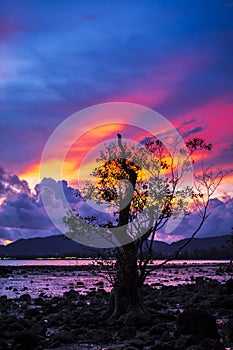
x: 192, y: 316
x: 54, y: 280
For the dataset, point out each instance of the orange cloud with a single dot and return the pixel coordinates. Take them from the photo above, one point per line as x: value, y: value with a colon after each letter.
x: 80, y: 161
x: 31, y: 175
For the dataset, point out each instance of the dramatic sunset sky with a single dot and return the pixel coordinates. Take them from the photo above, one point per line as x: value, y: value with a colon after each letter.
x: 57, y: 57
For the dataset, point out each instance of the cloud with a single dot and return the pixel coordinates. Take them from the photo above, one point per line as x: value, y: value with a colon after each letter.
x: 59, y: 59
x: 193, y: 131
x: 22, y: 212
x: 218, y: 223
x: 11, y: 185
x: 164, y: 56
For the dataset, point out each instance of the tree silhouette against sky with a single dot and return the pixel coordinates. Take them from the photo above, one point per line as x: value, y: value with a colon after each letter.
x: 144, y: 186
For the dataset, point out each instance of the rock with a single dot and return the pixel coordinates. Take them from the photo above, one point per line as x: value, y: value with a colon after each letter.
x: 79, y: 283
x: 99, y: 284
x: 71, y: 294
x: 26, y: 341
x: 157, y: 329
x: 225, y: 302
x: 200, y: 281
x: 38, y: 301
x: 133, y: 319
x: 138, y: 344
x: 214, y: 284
x: 127, y: 333
x: 16, y: 326
x: 54, y: 320
x: 116, y: 347
x: 158, y: 345
x: 183, y: 342
x: 31, y: 313
x: 228, y: 330
x: 229, y: 285
x: 212, y: 344
x: 197, y: 323
x: 39, y: 328
x: 165, y: 336
x: 99, y: 336
x: 3, y: 345
x: 25, y: 297
x: 62, y: 338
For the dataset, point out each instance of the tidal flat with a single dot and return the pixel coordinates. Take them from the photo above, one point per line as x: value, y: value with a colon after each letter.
x: 189, y: 306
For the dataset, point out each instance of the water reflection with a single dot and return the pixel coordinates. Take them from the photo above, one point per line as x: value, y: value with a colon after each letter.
x: 54, y: 277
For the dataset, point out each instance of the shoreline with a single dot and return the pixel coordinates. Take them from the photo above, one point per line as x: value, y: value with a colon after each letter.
x: 54, y: 280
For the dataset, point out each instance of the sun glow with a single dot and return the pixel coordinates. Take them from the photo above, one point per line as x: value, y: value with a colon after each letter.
x: 5, y: 241
x: 31, y: 175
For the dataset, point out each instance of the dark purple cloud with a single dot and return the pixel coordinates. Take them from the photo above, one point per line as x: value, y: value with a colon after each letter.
x: 11, y: 185
x: 219, y: 222
x: 195, y: 130
x: 22, y: 213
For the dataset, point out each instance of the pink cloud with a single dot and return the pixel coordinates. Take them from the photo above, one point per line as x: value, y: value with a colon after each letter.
x: 215, y: 121
x: 156, y: 84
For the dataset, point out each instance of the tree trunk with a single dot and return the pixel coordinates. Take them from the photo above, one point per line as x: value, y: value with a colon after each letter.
x: 127, y: 293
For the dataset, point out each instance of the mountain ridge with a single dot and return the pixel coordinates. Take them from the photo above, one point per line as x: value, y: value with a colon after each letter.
x: 62, y: 246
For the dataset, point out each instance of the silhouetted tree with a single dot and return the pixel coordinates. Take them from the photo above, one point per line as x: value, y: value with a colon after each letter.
x: 143, y: 184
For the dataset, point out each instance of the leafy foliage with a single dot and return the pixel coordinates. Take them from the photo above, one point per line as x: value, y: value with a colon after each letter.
x: 144, y: 184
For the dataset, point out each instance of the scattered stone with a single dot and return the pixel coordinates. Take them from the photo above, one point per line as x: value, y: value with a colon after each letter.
x: 212, y: 344
x: 229, y: 285
x: 16, y: 326
x: 165, y: 336
x: 25, y: 297
x: 183, y: 342
x: 227, y: 330
x: 26, y: 341
x: 137, y: 344
x: 127, y: 332
x: 197, y: 323
x: 74, y: 321
x: 62, y: 338
x: 3, y: 345
x: 71, y: 294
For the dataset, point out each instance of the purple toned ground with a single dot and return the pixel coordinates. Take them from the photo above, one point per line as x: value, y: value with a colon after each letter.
x: 62, y: 308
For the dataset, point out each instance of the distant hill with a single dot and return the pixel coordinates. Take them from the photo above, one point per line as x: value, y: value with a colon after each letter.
x: 202, y: 243
x: 52, y: 246
x: 61, y: 246
x: 206, y: 248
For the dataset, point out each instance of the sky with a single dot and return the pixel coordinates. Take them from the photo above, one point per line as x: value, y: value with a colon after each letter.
x: 58, y: 57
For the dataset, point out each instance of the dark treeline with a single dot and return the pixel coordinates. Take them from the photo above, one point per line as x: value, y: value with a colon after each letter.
x: 206, y: 254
